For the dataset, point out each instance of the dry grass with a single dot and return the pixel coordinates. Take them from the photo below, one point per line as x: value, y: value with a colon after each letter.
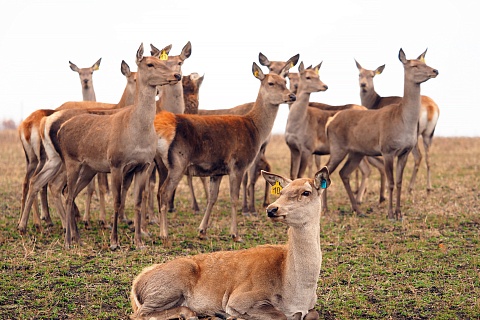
x: 426, y: 266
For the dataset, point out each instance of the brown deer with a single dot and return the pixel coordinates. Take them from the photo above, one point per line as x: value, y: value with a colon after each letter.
x: 193, y: 142
x: 305, y: 130
x: 31, y: 135
x: 265, y: 282
x: 391, y: 132
x: 122, y: 143
x: 28, y: 132
x: 429, y: 113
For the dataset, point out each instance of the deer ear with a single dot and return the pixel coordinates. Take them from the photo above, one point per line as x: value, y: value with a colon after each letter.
x: 257, y: 72
x: 186, y: 51
x: 140, y: 53
x: 301, y: 67
x: 379, y: 70
x: 322, y: 179
x: 359, y: 67
x: 401, y: 56
x: 96, y: 66
x: 422, y: 56
x: 263, y: 60
x: 317, y: 67
x: 125, y: 69
x: 73, y: 66
x: 154, y: 51
x: 294, y: 60
x: 272, y: 178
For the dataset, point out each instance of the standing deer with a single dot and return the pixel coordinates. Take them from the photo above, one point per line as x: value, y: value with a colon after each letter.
x: 305, y: 135
x: 122, y: 143
x: 265, y: 282
x: 193, y: 142
x: 391, y: 132
x: 31, y: 134
x: 429, y: 113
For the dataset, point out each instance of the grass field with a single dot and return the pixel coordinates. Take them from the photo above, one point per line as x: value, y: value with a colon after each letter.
x: 424, y: 267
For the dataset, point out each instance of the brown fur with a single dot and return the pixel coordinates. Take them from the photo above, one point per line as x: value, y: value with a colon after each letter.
x: 265, y: 282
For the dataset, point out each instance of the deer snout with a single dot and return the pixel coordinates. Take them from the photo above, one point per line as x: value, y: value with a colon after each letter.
x: 178, y: 76
x: 292, y: 97
x: 272, y: 212
x: 363, y: 85
x: 436, y: 72
x: 325, y: 88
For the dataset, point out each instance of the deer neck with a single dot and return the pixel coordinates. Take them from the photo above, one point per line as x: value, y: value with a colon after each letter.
x: 303, y: 264
x: 172, y: 98
x: 298, y: 113
x: 127, y: 99
x: 143, y: 110
x: 369, y: 98
x: 411, y: 102
x: 88, y: 94
x: 263, y: 116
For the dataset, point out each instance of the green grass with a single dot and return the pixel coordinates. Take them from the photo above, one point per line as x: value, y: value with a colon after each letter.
x: 424, y: 267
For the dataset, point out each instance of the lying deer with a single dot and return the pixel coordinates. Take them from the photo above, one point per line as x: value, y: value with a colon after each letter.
x: 391, y: 132
x: 265, y: 282
x: 214, y: 146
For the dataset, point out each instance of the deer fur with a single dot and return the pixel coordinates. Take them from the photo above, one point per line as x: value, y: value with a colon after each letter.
x: 264, y: 282
x: 391, y: 132
x: 192, y: 141
x: 429, y: 113
x: 86, y: 80
x: 33, y: 127
x: 121, y: 143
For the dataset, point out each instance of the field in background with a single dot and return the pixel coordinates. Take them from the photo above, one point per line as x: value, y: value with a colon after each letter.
x: 425, y: 267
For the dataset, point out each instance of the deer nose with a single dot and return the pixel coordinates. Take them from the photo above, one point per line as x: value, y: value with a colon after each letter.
x: 325, y: 87
x: 85, y: 80
x: 292, y: 97
x: 363, y: 85
x: 178, y: 76
x: 271, y: 212
x: 435, y: 71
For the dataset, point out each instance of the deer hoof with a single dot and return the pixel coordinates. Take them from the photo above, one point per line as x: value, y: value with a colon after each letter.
x: 202, y: 235
x: 237, y: 238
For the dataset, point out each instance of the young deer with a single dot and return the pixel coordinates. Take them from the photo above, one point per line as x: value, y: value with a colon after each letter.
x: 429, y: 113
x: 391, y: 132
x: 122, y: 143
x: 31, y: 135
x: 192, y: 141
x: 265, y: 282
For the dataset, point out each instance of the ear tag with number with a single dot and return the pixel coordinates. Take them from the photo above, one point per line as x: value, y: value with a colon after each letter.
x: 163, y: 55
x: 276, y: 188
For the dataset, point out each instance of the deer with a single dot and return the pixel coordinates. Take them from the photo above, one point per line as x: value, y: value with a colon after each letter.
x: 305, y: 128
x: 122, y: 143
x: 264, y: 282
x: 32, y: 146
x: 31, y: 136
x: 390, y: 132
x: 191, y: 141
x: 429, y: 113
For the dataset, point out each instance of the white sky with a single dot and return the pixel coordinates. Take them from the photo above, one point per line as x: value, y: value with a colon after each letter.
x: 38, y: 38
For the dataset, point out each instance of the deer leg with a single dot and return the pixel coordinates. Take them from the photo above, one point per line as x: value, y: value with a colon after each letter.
x: 40, y: 178
x: 252, y: 175
x: 365, y: 169
x: 401, y: 162
x: 194, y: 203
x: 147, y: 197
x: 45, y: 212
x: 388, y: 159
x: 294, y: 163
x: 245, y: 209
x: 426, y: 146
x: 170, y: 314
x: 305, y: 159
x: 235, y: 179
x: 138, y: 191
x: 245, y: 305
x: 378, y: 163
x: 417, y: 156
x: 102, y: 191
x: 212, y: 198
x: 117, y: 191
x: 167, y: 190
x: 88, y: 200
x: 350, y: 165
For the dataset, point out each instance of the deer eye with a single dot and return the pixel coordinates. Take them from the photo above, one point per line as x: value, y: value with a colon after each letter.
x: 150, y: 65
x: 306, y: 193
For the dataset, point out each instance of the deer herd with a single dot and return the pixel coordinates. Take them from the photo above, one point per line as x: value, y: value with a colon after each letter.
x: 157, y: 130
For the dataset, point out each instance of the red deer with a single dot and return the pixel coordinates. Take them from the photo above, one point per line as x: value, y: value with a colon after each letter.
x: 391, y: 132
x: 265, y: 282
x: 429, y: 113
x: 214, y: 146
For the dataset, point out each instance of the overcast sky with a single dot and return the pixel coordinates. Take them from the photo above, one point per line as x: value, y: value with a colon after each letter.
x: 38, y: 38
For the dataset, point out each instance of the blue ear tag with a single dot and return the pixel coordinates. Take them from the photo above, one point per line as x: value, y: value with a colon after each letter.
x: 323, y: 184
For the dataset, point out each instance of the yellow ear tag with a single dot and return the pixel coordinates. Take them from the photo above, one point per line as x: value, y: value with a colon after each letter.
x: 276, y: 188
x: 163, y: 55
x: 256, y: 73
x: 316, y: 70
